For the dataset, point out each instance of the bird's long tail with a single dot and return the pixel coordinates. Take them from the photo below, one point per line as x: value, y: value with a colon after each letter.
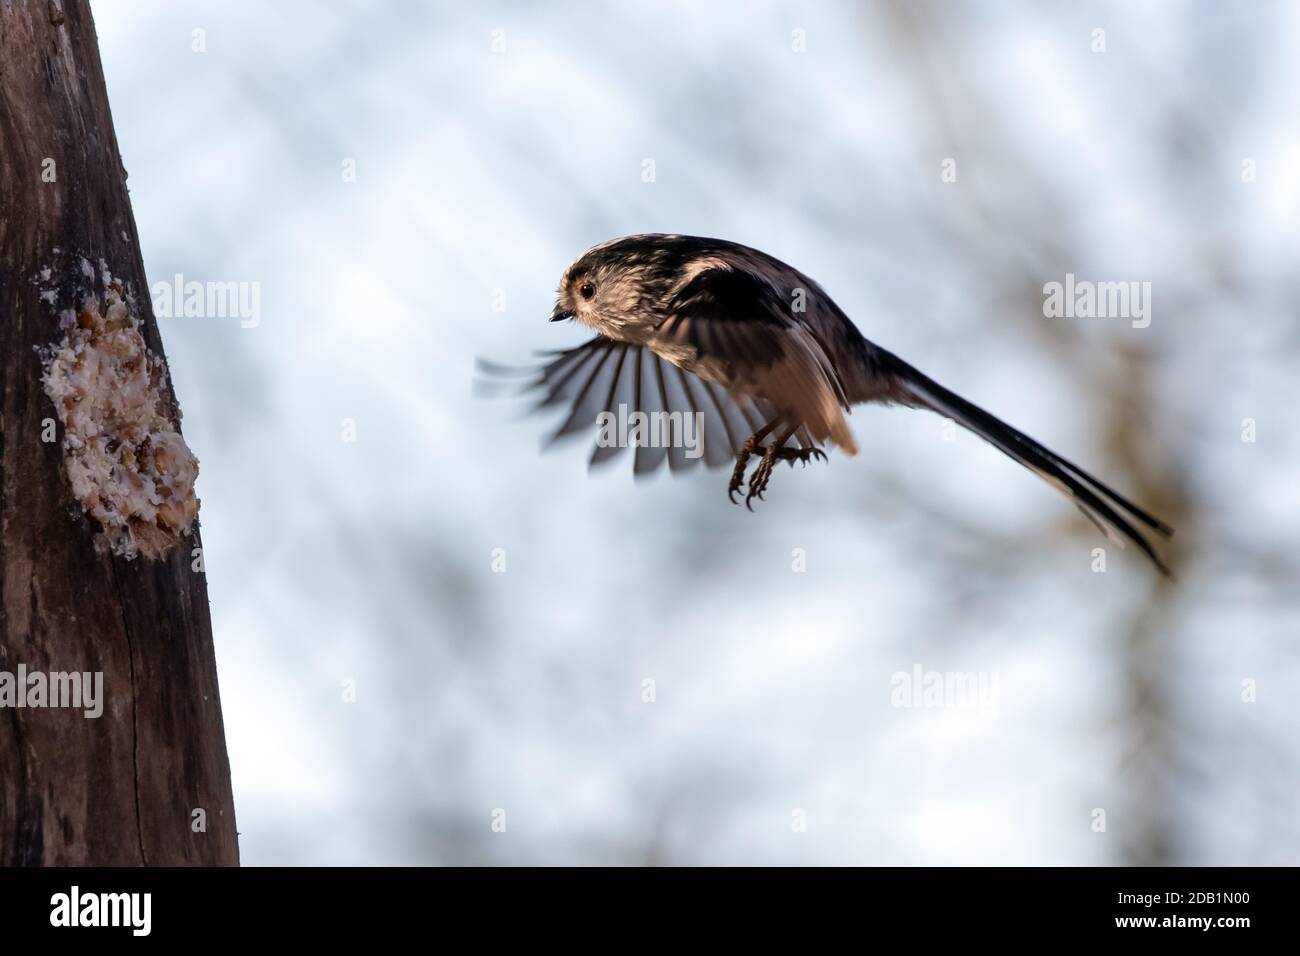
x: 1106, y: 508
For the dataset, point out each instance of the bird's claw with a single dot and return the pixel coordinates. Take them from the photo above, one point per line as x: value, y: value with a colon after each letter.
x: 738, y: 473
x: 802, y: 455
x: 761, y: 476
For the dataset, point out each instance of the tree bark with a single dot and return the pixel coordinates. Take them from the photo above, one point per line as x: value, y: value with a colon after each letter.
x: 125, y: 788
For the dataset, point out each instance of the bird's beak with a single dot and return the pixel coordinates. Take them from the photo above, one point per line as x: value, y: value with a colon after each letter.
x: 560, y: 313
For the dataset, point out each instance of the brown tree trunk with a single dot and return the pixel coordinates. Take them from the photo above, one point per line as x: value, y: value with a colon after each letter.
x: 148, y: 781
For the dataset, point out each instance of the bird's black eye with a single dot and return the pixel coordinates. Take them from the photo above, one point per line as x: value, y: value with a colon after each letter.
x: 586, y: 290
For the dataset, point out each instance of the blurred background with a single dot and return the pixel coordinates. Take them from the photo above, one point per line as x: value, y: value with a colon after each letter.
x: 438, y: 645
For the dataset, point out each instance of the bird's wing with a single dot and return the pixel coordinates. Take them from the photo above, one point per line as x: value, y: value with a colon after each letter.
x: 734, y: 319
x: 601, y: 375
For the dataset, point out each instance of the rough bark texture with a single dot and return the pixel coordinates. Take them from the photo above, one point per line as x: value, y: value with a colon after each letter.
x: 121, y: 789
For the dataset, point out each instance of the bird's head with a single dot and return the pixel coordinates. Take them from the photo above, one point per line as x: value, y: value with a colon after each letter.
x: 615, y: 284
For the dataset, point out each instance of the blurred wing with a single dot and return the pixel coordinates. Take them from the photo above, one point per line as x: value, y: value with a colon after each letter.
x: 737, y: 321
x: 602, y: 375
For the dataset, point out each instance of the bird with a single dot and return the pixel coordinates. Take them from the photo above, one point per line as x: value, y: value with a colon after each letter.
x: 765, y: 359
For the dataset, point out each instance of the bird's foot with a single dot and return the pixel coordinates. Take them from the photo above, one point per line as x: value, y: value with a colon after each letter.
x: 738, y: 473
x: 761, y: 476
x: 804, y: 455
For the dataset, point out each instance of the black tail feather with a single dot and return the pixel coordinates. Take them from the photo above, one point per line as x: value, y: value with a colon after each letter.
x: 1100, y: 503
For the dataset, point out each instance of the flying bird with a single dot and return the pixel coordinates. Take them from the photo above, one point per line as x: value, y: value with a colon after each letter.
x: 712, y: 328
